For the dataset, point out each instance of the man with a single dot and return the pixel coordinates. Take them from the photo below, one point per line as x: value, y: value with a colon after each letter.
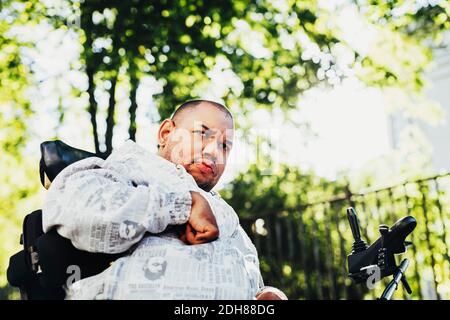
x: 180, y: 240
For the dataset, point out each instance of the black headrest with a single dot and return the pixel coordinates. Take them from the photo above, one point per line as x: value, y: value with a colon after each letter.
x: 56, y: 155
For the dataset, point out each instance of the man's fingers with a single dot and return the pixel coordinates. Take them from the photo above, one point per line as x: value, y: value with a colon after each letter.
x: 201, y: 225
x: 190, y: 235
x: 209, y: 235
x: 206, y: 234
x: 205, y: 230
x: 182, y: 237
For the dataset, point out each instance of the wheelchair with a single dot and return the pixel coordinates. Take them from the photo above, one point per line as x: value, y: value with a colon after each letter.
x: 40, y: 269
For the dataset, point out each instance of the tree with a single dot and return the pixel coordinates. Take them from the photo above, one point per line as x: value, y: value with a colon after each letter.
x: 275, y: 50
x: 14, y: 168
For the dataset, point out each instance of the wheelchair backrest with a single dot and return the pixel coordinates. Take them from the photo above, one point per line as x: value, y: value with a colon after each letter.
x: 40, y: 270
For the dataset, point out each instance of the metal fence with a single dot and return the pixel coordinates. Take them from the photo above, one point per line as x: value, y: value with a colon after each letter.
x: 304, y: 251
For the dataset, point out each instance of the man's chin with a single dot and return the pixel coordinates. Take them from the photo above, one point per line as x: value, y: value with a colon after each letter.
x: 204, y: 183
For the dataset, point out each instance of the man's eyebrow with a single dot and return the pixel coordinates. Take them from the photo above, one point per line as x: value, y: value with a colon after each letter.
x: 203, y: 127
x: 227, y: 141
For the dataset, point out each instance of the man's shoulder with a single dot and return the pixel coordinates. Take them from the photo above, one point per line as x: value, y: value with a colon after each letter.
x: 129, y: 149
x: 136, y: 158
x: 216, y: 194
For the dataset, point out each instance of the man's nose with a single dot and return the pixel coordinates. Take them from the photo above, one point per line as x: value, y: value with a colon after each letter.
x: 212, y: 149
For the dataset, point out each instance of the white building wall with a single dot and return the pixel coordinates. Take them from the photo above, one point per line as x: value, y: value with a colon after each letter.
x: 439, y: 91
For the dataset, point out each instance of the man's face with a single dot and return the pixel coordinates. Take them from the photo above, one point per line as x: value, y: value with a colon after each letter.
x: 200, y: 139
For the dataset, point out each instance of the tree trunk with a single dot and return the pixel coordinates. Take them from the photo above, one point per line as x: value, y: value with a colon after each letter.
x: 92, y: 109
x: 133, y: 107
x: 110, y: 122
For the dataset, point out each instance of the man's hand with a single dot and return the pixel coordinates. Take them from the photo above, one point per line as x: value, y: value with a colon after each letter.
x: 201, y: 226
x: 270, y: 293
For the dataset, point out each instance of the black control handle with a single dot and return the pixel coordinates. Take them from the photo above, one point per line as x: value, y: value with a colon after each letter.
x: 358, y: 245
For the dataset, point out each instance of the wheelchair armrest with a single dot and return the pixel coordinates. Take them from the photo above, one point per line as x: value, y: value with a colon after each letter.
x: 55, y: 156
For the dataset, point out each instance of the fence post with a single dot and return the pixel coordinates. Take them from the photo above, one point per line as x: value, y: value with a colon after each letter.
x: 349, y: 195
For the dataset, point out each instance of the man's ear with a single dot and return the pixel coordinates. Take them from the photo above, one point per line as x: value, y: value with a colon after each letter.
x: 166, y: 127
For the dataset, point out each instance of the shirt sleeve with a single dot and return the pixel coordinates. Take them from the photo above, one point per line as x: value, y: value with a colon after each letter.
x: 101, y: 210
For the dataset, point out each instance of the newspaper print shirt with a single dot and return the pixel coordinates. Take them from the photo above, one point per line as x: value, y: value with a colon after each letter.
x: 125, y: 204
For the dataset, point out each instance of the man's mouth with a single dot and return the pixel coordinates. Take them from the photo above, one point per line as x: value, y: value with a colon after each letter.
x: 206, y: 167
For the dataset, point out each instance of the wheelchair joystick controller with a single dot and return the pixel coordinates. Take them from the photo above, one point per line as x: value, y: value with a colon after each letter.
x: 382, y: 252
x: 358, y: 245
x: 364, y: 261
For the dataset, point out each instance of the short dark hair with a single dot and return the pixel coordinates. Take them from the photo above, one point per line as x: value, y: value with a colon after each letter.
x: 191, y: 104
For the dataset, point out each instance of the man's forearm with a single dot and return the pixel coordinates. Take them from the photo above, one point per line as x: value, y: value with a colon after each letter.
x: 99, y: 211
